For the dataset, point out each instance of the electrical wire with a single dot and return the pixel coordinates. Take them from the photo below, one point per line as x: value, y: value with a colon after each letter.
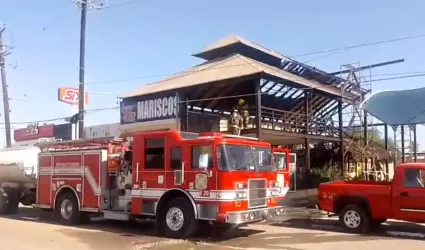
x: 122, y: 4
x: 183, y: 73
x: 200, y: 100
x: 361, y: 45
x: 60, y: 118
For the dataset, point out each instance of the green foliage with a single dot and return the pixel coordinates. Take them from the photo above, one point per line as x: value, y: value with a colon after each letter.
x: 376, y: 137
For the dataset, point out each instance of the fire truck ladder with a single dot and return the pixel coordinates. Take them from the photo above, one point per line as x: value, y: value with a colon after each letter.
x: 79, y: 144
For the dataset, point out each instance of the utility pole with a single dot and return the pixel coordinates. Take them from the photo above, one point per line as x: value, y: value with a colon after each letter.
x: 3, y: 54
x: 84, y: 5
x: 81, y: 71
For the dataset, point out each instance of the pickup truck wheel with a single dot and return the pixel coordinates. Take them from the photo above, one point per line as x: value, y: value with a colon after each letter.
x: 354, y: 219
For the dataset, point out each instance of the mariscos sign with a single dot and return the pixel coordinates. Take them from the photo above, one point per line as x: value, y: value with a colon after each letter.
x: 149, y: 108
x: 70, y: 96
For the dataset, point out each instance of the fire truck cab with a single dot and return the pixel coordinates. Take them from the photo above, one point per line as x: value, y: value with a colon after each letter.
x: 181, y: 179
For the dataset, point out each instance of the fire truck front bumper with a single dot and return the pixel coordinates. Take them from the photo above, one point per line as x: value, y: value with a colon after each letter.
x: 254, y: 215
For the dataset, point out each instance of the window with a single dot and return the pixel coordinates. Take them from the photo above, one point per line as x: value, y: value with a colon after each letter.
x: 176, y: 158
x: 280, y: 160
x: 202, y: 157
x: 154, y: 153
x: 414, y: 178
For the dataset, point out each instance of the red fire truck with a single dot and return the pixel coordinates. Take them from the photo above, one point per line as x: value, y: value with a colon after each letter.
x: 181, y: 179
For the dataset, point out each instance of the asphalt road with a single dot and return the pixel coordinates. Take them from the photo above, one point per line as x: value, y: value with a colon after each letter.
x: 34, y: 230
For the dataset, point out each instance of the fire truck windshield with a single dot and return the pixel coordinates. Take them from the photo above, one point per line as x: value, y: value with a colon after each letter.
x: 244, y: 158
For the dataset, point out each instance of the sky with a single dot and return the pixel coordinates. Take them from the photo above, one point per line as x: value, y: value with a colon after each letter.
x: 135, y: 42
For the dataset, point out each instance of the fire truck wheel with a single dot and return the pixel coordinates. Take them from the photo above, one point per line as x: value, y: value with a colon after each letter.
x: 67, y: 209
x: 177, y: 219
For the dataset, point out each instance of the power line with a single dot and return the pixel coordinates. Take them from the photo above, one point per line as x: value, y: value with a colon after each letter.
x: 199, y: 100
x: 397, y: 77
x: 206, y: 69
x: 360, y: 45
x: 123, y: 4
x: 61, y: 118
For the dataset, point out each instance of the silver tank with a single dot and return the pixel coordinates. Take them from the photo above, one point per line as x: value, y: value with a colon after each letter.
x: 19, y: 165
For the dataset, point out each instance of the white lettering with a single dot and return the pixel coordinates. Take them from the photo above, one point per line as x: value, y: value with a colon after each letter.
x: 151, y: 111
x: 176, y: 106
x: 164, y: 106
x: 157, y: 108
x: 170, y: 106
x: 145, y: 110
x: 139, y: 110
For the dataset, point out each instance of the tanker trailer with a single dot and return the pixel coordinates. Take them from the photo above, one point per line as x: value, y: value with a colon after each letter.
x: 18, y: 178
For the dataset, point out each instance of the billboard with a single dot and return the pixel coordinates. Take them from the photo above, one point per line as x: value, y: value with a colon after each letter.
x: 71, y: 95
x: 34, y: 131
x: 150, y: 108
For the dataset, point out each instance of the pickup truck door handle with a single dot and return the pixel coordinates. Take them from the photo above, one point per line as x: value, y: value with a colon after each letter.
x: 404, y: 194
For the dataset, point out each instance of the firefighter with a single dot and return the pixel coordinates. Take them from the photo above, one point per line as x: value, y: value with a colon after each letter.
x: 236, y: 123
x: 242, y: 108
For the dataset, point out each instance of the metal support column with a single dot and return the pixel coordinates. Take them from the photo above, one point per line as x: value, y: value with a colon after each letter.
x: 415, y: 144
x: 403, y: 156
x: 386, y: 147
x: 258, y: 107
x: 341, y: 136
x: 307, y: 94
x: 365, y: 141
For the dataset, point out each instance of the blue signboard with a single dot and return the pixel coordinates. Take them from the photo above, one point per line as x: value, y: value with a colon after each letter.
x: 149, y: 108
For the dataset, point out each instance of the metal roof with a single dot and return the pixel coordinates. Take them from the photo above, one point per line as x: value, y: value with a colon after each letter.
x: 233, y: 66
x: 233, y: 39
x: 398, y: 107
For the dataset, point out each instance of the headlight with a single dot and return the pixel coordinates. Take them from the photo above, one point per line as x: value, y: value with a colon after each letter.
x: 280, y: 179
x: 240, y: 185
x: 241, y: 195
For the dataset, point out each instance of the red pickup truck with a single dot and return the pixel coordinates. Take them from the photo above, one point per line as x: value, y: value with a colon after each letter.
x: 361, y: 205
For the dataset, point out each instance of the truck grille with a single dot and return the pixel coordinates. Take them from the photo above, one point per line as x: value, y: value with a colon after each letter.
x: 257, y: 193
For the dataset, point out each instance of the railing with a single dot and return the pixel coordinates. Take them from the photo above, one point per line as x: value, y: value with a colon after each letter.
x: 272, y: 119
x: 287, y: 121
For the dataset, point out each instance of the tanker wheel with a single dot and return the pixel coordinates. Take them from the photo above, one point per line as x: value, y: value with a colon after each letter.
x: 177, y: 219
x: 67, y: 209
x: 4, y: 200
x: 12, y: 200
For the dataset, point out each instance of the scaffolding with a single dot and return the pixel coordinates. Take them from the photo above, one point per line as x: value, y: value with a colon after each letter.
x: 358, y: 79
